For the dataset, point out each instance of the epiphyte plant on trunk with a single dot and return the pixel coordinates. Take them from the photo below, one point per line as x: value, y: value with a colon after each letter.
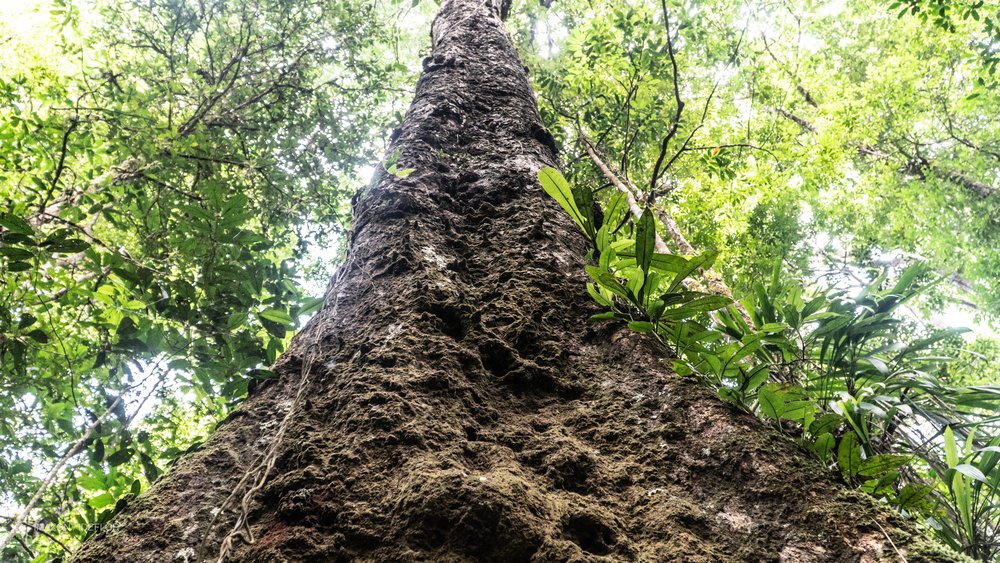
x: 826, y: 367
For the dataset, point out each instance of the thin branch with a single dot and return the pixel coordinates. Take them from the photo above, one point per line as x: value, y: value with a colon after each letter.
x: 73, y: 122
x: 963, y: 140
x: 18, y: 520
x: 657, y: 171
x: 24, y: 546
x: 750, y: 146
x: 796, y: 119
x: 81, y: 443
x: 916, y: 165
x: 806, y: 95
x: 633, y: 205
x: 956, y: 177
x: 42, y: 531
x: 655, y: 178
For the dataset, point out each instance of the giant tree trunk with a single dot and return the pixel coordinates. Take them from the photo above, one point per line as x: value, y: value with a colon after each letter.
x: 451, y: 402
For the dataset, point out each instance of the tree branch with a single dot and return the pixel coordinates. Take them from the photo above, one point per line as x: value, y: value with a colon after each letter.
x: 654, y: 179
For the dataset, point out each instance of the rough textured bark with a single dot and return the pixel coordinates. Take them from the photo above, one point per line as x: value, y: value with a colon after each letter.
x: 451, y: 403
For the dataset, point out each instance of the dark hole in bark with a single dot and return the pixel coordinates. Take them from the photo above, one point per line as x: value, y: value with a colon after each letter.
x: 570, y: 470
x: 450, y: 319
x: 528, y: 344
x: 588, y: 532
x: 496, y: 358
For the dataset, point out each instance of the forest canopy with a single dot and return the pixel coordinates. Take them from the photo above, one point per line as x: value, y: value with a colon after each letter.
x: 176, y: 180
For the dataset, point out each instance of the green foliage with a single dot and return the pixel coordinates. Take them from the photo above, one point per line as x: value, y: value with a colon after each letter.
x: 944, y: 13
x: 830, y: 367
x: 165, y: 168
x: 818, y: 130
x: 578, y: 203
x: 971, y: 487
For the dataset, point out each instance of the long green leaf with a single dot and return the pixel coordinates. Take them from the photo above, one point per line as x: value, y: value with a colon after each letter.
x: 645, y: 241
x: 558, y: 188
x: 695, y: 307
x: 882, y: 463
x: 584, y: 200
x: 16, y: 224
x: 849, y: 455
x: 703, y: 260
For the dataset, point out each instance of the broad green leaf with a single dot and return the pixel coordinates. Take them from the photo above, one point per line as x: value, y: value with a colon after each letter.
x: 696, y: 307
x: 39, y: 335
x: 703, y: 260
x: 772, y: 401
x: 149, y: 468
x: 606, y: 316
x: 645, y: 241
x: 907, y: 278
x: 641, y: 326
x: 950, y: 448
x: 911, y: 495
x: 824, y: 445
x: 682, y: 368
x: 68, y: 246
x: 970, y: 471
x: 849, y: 455
x: 101, y: 500
x: 756, y: 378
x: 668, y: 263
x: 15, y: 253
x: 597, y: 296
x: 584, y: 200
x: 827, y: 423
x: 120, y: 457
x: 750, y: 344
x: 607, y: 281
x: 27, y: 319
x: 556, y: 186
x: 277, y: 316
x: 882, y: 463
x: 91, y: 483
x: 311, y: 305
x: 16, y: 224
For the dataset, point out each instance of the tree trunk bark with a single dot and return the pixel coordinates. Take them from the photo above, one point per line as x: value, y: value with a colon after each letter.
x: 452, y: 403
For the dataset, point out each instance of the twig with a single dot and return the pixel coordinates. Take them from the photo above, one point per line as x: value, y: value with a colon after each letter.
x: 806, y: 95
x: 886, y: 534
x: 81, y: 442
x: 42, y: 532
x: 657, y: 170
x: 750, y: 146
x: 73, y: 122
x: 654, y: 179
x: 798, y: 120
